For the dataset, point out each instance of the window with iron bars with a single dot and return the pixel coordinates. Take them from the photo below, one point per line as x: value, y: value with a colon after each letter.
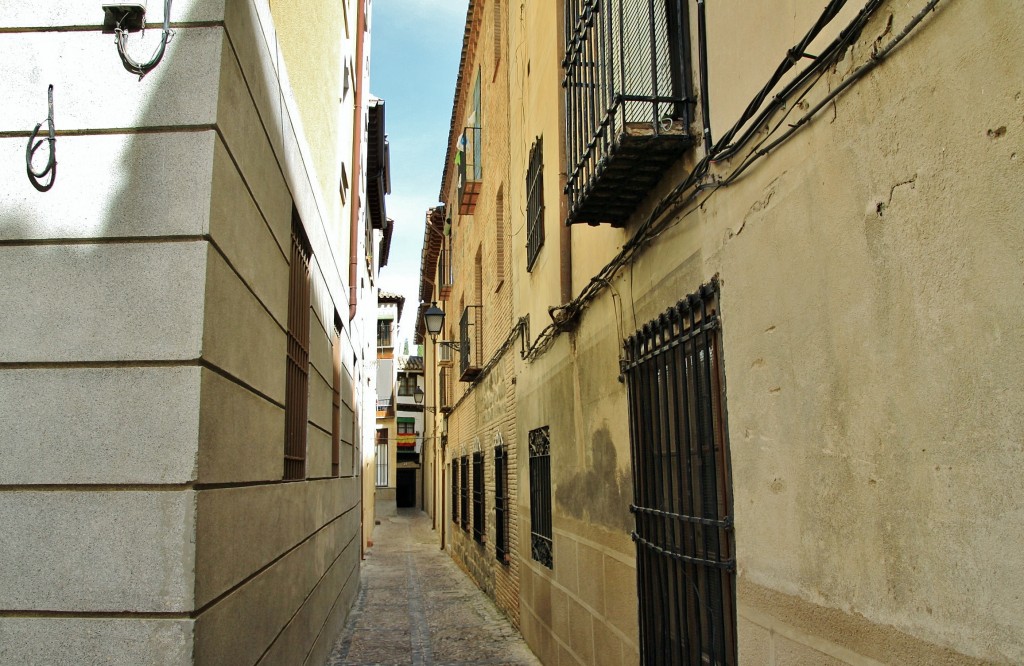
x: 540, y: 497
x: 336, y: 397
x: 453, y: 472
x: 384, y: 327
x: 381, y: 454
x: 479, y: 522
x: 296, y: 402
x: 535, y: 204
x: 464, y: 485
x: 685, y: 545
x: 500, y: 505
x: 628, y: 104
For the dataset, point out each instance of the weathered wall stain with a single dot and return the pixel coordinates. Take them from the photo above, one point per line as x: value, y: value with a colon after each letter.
x: 602, y: 493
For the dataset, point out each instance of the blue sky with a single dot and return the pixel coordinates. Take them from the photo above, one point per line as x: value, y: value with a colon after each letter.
x: 414, y: 60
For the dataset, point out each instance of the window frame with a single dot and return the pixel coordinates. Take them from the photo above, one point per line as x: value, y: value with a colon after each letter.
x: 479, y: 516
x: 296, y: 405
x: 541, y: 541
x: 682, y: 506
x: 535, y: 204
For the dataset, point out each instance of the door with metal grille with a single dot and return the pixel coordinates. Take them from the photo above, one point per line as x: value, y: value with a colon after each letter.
x: 682, y: 486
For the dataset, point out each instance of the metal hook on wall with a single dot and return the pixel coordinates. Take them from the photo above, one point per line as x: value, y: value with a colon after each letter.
x: 36, y: 177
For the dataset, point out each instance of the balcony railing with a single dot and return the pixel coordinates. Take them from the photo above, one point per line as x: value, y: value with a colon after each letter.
x: 471, y: 343
x: 470, y: 169
x: 627, y: 102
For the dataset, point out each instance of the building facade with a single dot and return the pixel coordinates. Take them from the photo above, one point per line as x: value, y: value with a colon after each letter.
x: 389, y: 313
x: 186, y: 356
x: 756, y: 349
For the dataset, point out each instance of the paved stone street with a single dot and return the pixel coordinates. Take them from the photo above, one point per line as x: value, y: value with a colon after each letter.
x: 416, y: 607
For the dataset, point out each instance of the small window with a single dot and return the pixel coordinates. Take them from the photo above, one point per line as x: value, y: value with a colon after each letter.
x: 406, y: 427
x: 479, y: 523
x: 407, y: 383
x: 535, y: 204
x: 540, y: 497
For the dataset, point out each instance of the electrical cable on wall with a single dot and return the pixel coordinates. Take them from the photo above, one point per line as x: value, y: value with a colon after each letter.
x: 760, y: 110
x: 122, y: 45
x: 36, y: 177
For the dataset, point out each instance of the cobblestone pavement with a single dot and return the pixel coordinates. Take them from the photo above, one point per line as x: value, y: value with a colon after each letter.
x: 416, y: 607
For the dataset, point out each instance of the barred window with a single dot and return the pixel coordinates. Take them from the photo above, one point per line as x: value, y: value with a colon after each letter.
x: 464, y: 484
x: 535, y: 204
x: 540, y: 497
x: 296, y: 402
x: 685, y: 544
x: 336, y: 398
x: 381, y: 453
x: 479, y: 524
x: 500, y: 505
x: 453, y: 472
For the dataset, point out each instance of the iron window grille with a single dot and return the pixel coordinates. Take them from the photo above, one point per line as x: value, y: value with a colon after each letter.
x: 381, y: 453
x: 336, y: 398
x: 464, y: 484
x: 686, y: 567
x: 384, y: 332
x: 296, y: 405
x: 535, y: 204
x: 500, y: 505
x: 471, y: 334
x: 627, y: 101
x: 453, y: 471
x: 479, y: 522
x: 540, y: 497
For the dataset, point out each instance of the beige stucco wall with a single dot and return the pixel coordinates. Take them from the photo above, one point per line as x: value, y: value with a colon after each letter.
x: 871, y: 312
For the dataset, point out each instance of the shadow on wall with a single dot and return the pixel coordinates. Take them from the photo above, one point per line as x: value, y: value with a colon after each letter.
x: 602, y: 493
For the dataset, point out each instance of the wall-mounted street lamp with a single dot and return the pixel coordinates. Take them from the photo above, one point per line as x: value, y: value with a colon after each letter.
x: 433, y: 320
x: 418, y: 395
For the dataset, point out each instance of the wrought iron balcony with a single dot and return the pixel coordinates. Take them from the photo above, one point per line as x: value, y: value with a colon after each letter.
x: 471, y: 343
x: 627, y: 102
x: 470, y: 169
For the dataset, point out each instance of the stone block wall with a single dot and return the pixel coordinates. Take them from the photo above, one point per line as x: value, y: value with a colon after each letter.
x: 142, y: 355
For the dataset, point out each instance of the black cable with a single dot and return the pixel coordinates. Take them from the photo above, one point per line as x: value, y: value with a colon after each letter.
x: 122, y: 46
x: 35, y: 177
x: 657, y: 221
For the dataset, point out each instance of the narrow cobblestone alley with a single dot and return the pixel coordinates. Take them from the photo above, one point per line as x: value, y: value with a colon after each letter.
x: 416, y: 607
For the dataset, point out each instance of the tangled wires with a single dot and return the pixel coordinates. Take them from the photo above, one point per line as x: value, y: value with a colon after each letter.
x: 36, y: 177
x: 122, y: 46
